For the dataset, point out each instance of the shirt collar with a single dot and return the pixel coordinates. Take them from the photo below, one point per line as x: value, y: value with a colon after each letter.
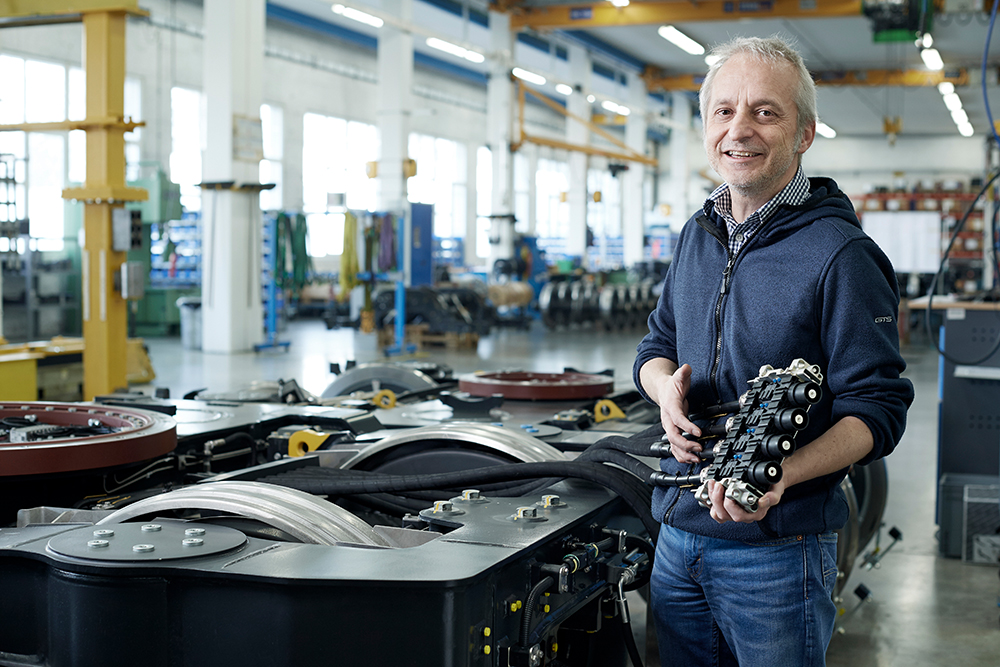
x: 793, y: 194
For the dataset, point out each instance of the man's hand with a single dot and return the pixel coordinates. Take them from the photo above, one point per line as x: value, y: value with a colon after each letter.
x: 726, y: 509
x: 672, y: 398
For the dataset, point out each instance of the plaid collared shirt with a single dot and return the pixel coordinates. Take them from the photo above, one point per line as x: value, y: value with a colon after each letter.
x: 793, y: 194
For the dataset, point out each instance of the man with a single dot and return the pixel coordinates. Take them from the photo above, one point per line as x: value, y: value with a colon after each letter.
x: 774, y: 268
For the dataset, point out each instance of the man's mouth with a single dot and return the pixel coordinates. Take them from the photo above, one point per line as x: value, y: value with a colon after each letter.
x: 741, y: 154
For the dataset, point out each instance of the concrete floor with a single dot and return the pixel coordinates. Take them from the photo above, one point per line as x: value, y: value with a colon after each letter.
x: 924, y: 611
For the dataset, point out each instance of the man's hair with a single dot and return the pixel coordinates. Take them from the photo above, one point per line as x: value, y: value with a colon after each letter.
x: 767, y: 50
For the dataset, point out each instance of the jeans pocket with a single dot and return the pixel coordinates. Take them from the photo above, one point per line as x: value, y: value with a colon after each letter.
x: 828, y: 555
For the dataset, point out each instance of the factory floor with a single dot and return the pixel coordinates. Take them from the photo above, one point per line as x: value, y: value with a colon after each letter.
x: 924, y: 610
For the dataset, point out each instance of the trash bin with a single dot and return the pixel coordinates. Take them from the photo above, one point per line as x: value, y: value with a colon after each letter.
x: 190, y: 309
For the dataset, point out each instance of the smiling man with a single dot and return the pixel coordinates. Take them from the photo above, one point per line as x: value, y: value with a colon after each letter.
x: 775, y: 267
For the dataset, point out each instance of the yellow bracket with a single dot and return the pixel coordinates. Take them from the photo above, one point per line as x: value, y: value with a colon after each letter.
x: 303, y: 442
x: 384, y: 399
x: 606, y: 409
x: 629, y: 154
x: 909, y: 78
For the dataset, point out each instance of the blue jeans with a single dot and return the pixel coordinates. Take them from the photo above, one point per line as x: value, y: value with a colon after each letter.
x: 719, y: 602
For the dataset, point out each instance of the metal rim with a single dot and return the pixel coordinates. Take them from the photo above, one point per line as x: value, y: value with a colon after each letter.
x: 535, y: 386
x: 373, y: 377
x: 301, y: 515
x: 510, y: 442
x: 142, y: 435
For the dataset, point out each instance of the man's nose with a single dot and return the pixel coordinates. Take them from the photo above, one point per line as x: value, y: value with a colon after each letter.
x: 741, y: 126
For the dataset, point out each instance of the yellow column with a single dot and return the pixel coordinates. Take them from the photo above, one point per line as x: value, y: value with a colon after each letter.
x: 105, y: 317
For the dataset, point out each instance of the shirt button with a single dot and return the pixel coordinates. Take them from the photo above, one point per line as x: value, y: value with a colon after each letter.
x: 739, y: 238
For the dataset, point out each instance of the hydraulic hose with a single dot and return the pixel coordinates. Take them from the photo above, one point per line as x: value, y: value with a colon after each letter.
x: 607, y: 455
x: 635, y: 494
x: 529, y: 607
x: 630, y: 646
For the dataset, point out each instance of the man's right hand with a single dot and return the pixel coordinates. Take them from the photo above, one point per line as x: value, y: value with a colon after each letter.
x: 668, y: 385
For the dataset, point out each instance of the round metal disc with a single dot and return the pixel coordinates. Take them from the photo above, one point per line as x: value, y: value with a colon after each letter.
x: 374, y: 377
x: 155, y: 540
x: 536, y: 386
x: 139, y: 435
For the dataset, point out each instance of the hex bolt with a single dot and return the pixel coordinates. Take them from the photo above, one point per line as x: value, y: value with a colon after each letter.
x: 552, y: 501
x: 194, y: 532
x: 143, y: 548
x: 152, y: 528
x: 443, y: 506
x: 104, y: 532
x: 193, y: 542
x: 471, y: 494
x: 98, y: 544
x: 525, y: 513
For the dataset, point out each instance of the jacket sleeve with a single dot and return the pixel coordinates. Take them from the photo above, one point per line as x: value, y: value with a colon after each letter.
x: 661, y: 341
x: 860, y: 336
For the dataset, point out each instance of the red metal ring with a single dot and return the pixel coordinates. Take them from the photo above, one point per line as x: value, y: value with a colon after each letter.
x: 142, y: 435
x: 536, y: 386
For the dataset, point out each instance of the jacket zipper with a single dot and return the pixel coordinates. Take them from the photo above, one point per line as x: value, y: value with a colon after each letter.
x: 727, y: 275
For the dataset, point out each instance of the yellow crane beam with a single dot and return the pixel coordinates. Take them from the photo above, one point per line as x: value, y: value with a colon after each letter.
x: 872, y: 77
x: 601, y: 14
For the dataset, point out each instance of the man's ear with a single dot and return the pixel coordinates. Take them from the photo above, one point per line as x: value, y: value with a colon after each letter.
x: 808, y: 134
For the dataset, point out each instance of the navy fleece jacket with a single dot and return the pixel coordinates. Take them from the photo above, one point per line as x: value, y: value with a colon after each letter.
x: 809, y: 284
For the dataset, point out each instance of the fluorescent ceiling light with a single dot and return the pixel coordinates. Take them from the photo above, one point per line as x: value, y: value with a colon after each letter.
x: 965, y: 129
x: 619, y: 3
x: 357, y: 15
x: 960, y: 117
x: 591, y: 99
x: 680, y: 40
x: 711, y: 59
x: 932, y: 59
x: 825, y: 130
x: 563, y: 89
x: 610, y: 106
x: 946, y: 88
x: 953, y: 102
x: 530, y: 77
x: 455, y: 50
x: 623, y: 110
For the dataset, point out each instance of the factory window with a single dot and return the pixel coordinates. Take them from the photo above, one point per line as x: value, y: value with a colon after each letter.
x: 186, y: 145
x: 551, y: 208
x: 440, y: 181
x: 335, y: 153
x: 604, y: 217
x: 272, y: 125
x: 77, y: 110
x: 484, y: 199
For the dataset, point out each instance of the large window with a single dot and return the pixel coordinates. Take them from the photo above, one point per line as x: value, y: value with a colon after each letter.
x: 484, y: 199
x: 76, y: 160
x: 335, y: 153
x: 186, y: 144
x: 552, y: 210
x: 272, y: 125
x: 440, y: 181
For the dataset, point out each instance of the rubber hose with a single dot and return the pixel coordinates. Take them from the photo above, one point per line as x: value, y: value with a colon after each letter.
x: 632, y: 492
x: 529, y: 607
x: 636, y: 542
x: 629, y: 638
x: 620, y: 459
x: 249, y: 439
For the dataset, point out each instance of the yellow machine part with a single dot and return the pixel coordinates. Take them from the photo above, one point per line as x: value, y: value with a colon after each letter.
x: 303, y: 442
x: 606, y: 409
x: 384, y: 399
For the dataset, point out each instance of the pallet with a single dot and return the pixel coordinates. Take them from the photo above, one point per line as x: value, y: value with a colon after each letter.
x: 420, y: 336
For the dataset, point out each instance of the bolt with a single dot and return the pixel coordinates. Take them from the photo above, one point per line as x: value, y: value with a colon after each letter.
x: 104, y: 533
x: 193, y: 542
x: 98, y: 544
x: 94, y: 422
x: 194, y: 532
x: 471, y: 494
x: 143, y: 548
x: 525, y: 513
x: 551, y: 501
x: 442, y: 506
x: 152, y: 528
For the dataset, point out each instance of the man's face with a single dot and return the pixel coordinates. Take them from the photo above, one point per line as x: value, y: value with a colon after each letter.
x: 750, y: 126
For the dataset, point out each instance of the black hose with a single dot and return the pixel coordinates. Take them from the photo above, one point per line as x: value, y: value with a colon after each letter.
x: 636, y: 542
x: 633, y: 650
x: 635, y: 494
x: 234, y: 438
x: 715, y: 411
x: 620, y: 459
x: 529, y: 607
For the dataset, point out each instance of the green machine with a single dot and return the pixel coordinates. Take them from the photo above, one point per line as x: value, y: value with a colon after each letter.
x: 170, y: 253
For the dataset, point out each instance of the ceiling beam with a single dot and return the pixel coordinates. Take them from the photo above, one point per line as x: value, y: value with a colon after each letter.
x: 595, y: 15
x: 872, y: 77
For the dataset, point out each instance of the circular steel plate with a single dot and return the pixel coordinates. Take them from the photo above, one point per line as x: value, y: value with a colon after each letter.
x: 155, y: 540
x: 536, y: 386
x: 139, y: 435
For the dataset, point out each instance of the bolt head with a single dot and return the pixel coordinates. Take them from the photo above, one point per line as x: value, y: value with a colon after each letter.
x: 104, y: 532
x: 143, y: 548
x: 98, y: 544
x: 193, y: 542
x: 151, y: 528
x: 194, y: 532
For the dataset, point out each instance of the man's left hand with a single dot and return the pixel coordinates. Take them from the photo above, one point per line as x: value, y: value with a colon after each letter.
x: 726, y: 509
